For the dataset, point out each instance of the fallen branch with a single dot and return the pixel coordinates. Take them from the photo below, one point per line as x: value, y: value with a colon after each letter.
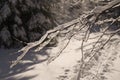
x: 54, y: 31
x: 108, y: 20
x: 49, y: 34
x: 95, y: 13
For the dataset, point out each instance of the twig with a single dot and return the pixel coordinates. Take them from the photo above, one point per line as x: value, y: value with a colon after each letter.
x: 41, y: 46
x: 51, y: 59
x: 30, y: 45
x: 107, y: 20
x: 100, y: 47
x: 99, y: 39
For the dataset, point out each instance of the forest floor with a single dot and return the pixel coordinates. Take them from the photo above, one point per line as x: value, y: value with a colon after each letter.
x: 66, y: 66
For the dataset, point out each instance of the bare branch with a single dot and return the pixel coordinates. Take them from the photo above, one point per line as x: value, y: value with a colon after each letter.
x: 54, y: 32
x: 107, y: 20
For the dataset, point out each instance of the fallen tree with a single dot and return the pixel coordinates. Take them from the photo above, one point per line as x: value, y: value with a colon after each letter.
x: 86, y: 20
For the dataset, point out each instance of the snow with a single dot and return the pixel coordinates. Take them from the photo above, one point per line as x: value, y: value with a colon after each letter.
x: 64, y: 67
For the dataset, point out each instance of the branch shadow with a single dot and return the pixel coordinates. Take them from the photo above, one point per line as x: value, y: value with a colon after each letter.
x: 31, y: 58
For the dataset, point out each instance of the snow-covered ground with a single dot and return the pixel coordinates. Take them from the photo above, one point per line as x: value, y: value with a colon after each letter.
x: 34, y: 66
